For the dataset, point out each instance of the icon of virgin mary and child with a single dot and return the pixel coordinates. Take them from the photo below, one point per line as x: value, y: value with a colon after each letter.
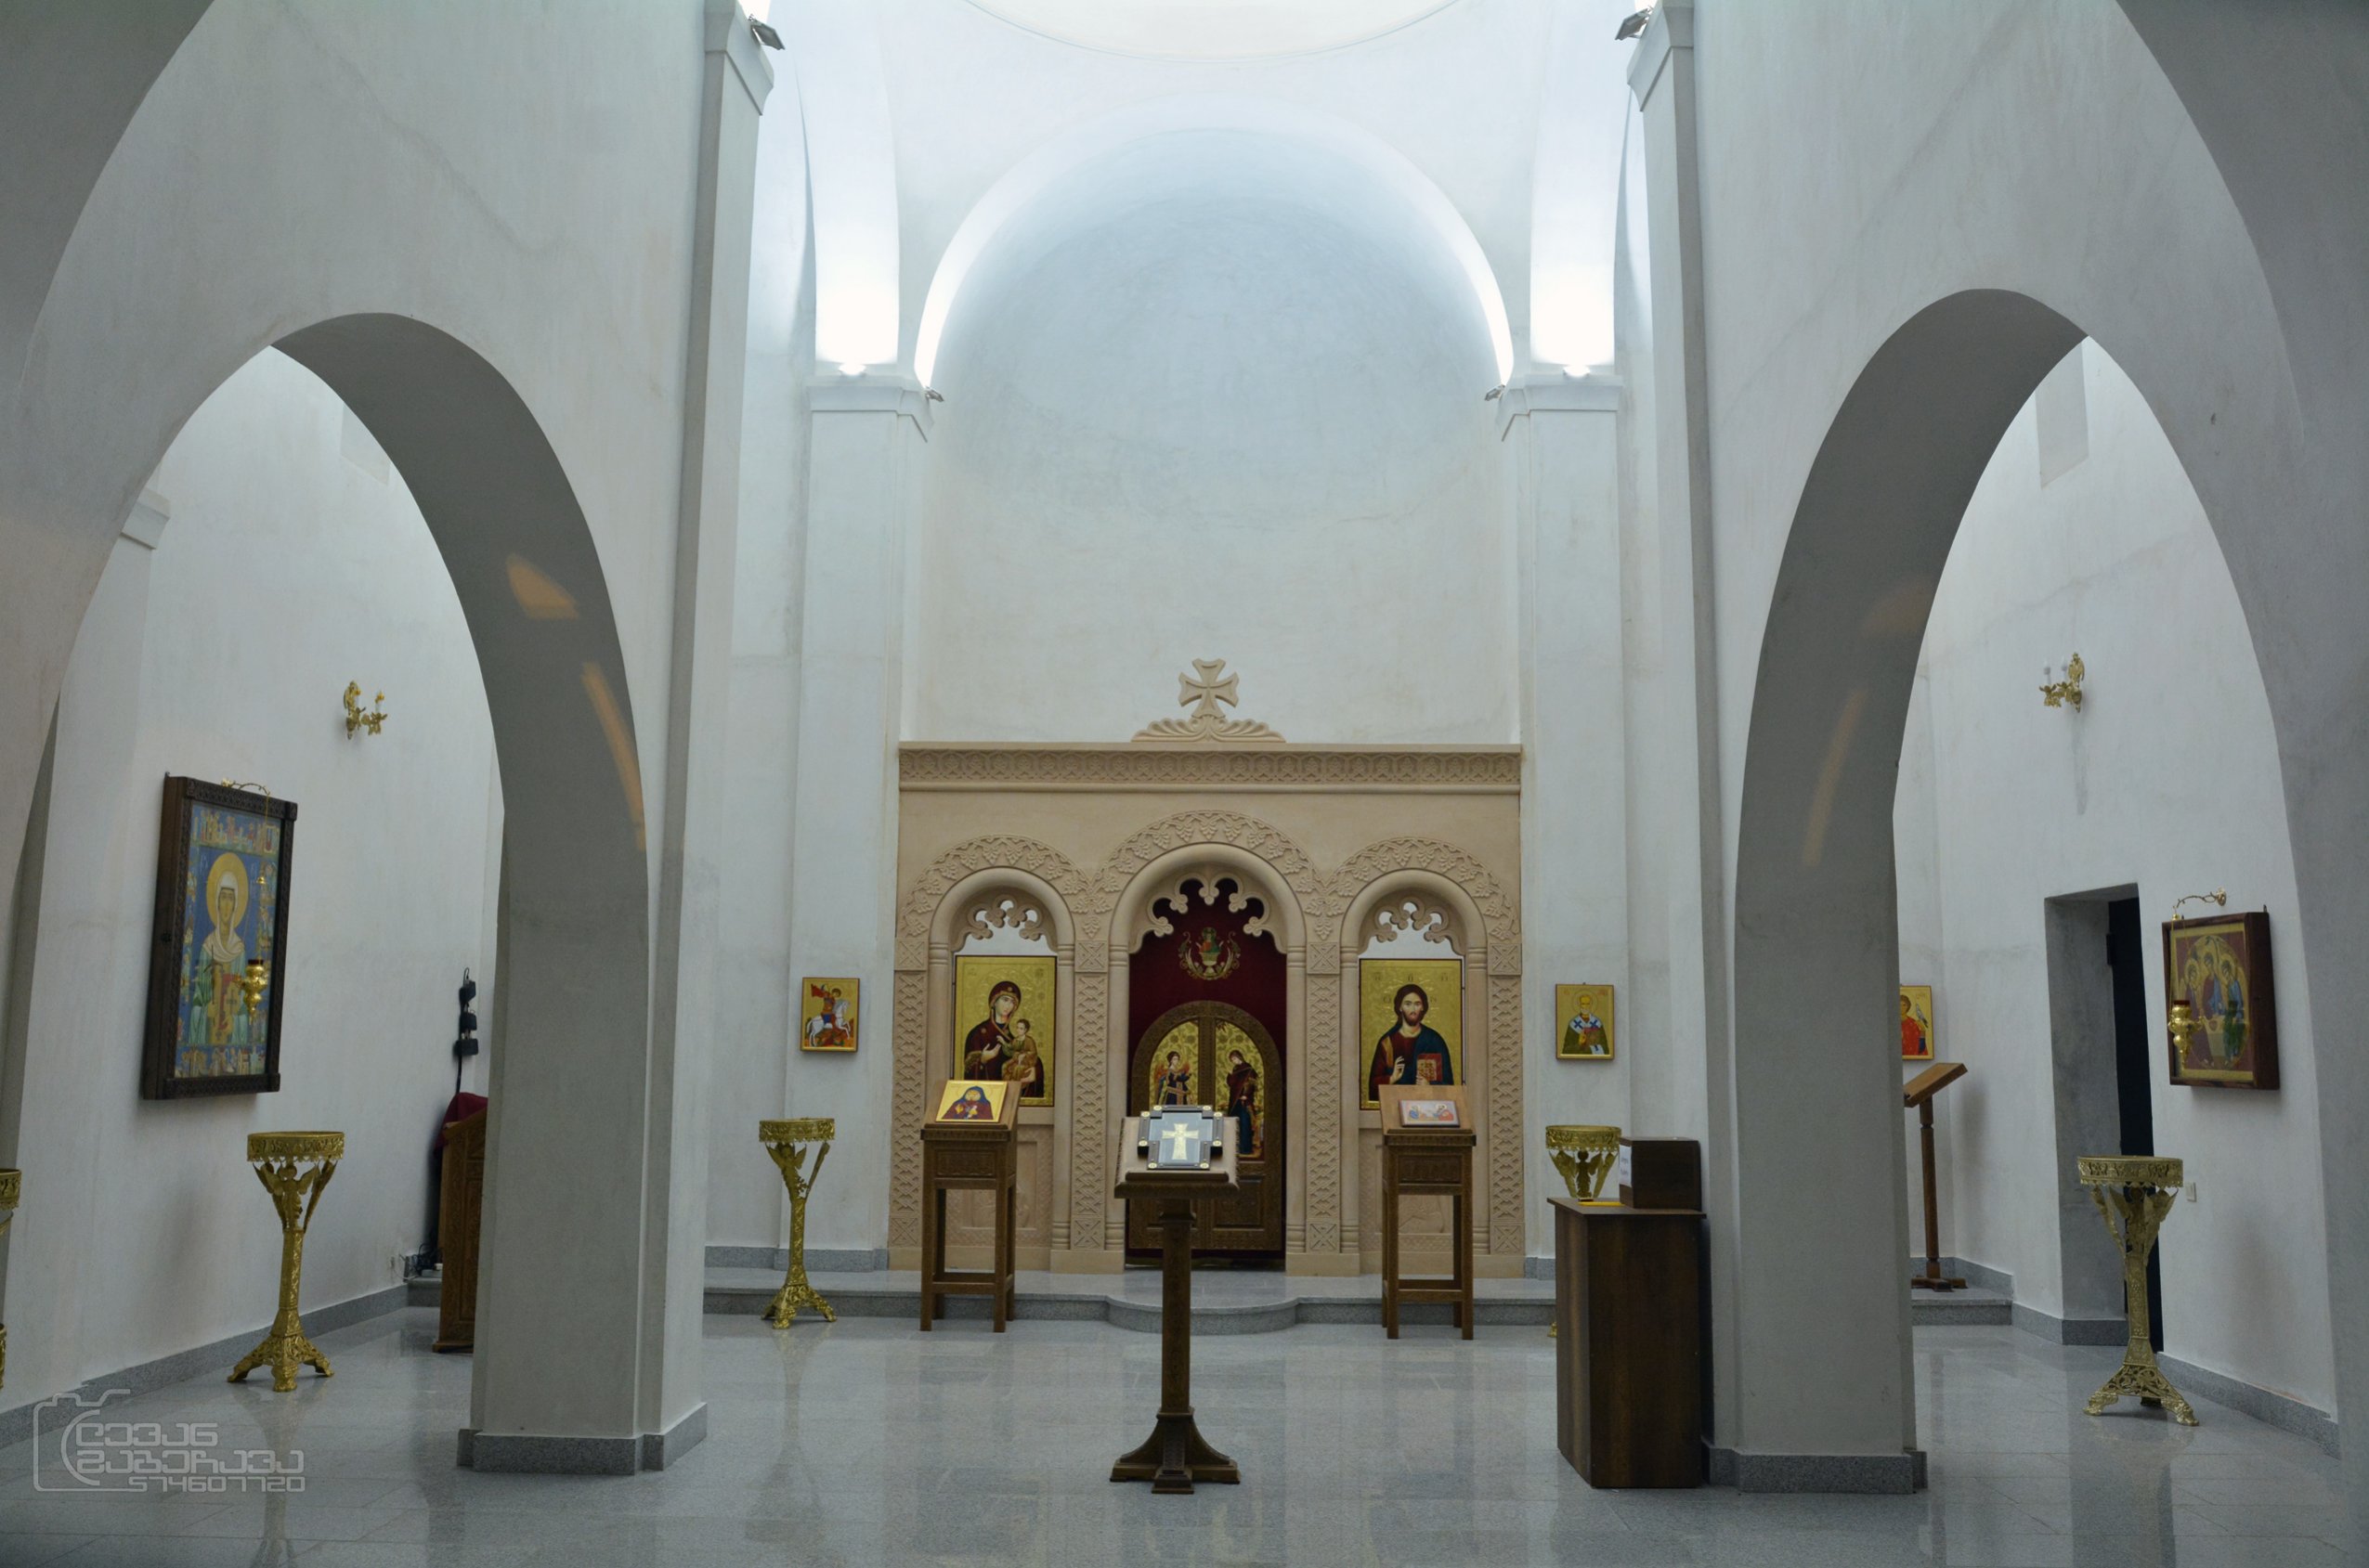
x: 1411, y: 1053
x: 1000, y: 1047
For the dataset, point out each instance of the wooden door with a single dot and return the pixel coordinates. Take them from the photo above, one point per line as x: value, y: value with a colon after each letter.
x: 1215, y: 1055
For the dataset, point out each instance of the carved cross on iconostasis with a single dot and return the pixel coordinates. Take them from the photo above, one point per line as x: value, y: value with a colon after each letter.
x: 1207, y: 687
x: 1203, y: 690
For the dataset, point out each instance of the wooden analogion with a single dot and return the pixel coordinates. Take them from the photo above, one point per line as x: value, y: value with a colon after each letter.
x: 965, y: 1151
x: 1427, y: 1149
x: 1175, y: 1455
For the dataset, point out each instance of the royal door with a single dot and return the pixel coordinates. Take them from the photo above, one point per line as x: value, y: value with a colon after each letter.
x: 1216, y: 1054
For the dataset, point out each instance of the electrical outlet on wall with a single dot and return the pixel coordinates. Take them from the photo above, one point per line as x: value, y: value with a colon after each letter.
x: 2189, y: 1191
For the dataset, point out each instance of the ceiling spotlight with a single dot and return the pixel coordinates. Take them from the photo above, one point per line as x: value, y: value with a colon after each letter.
x: 764, y: 33
x: 1628, y: 28
x: 933, y: 394
x: 1494, y: 394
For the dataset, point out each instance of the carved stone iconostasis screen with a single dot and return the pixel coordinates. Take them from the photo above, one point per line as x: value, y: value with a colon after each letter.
x: 1248, y: 873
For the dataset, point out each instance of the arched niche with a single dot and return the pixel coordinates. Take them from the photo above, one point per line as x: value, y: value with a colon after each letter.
x: 570, y: 1073
x: 1380, y: 882
x: 1130, y: 361
x: 1815, y: 930
x: 987, y: 887
x: 1136, y: 913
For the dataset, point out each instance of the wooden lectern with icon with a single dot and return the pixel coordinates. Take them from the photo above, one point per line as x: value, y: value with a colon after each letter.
x: 1176, y: 1155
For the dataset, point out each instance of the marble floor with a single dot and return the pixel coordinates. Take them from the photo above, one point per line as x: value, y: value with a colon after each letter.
x: 864, y: 1442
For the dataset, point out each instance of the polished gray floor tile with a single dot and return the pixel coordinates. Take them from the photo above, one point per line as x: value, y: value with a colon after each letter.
x: 864, y: 1442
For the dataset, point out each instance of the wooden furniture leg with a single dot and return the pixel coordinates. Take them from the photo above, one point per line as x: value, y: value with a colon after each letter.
x: 1175, y: 1455
x: 1463, y: 1238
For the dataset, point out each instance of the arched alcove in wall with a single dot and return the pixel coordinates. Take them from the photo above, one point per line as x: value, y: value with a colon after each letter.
x: 1814, y: 933
x: 571, y: 1017
x: 1183, y: 376
x: 2041, y: 848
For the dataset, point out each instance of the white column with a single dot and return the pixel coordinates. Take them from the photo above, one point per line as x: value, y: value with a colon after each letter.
x: 1760, y: 1320
x: 1563, y: 435
x: 690, y: 846
x: 81, y: 934
x: 869, y: 434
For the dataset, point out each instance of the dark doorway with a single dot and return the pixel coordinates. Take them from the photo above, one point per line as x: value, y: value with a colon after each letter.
x: 2134, y: 1084
x: 1209, y: 984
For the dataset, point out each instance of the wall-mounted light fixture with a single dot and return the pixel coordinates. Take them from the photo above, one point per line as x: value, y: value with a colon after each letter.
x: 356, y: 718
x: 252, y: 984
x: 2056, y: 693
x: 2219, y: 896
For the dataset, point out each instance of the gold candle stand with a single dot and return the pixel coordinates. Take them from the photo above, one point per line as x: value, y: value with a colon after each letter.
x: 2139, y: 1190
x: 1585, y: 1155
x: 785, y: 1141
x: 12, y: 1183
x: 280, y: 1160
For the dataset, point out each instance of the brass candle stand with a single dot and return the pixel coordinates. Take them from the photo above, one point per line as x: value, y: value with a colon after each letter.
x: 294, y: 1168
x: 12, y: 1183
x: 2139, y: 1190
x: 1585, y: 1155
x: 785, y: 1140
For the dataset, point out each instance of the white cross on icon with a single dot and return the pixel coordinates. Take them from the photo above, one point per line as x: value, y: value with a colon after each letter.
x: 1177, y: 1143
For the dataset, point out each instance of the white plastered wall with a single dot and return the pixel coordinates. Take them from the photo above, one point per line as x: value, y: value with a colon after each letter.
x: 1219, y: 395
x: 2162, y: 779
x: 294, y: 561
x: 754, y: 1077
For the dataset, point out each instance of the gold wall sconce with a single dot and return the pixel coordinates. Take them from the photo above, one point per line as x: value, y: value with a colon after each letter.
x: 359, y: 718
x: 2218, y: 896
x: 252, y: 984
x: 2056, y: 693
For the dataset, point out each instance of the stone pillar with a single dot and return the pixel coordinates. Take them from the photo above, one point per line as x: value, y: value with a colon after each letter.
x: 68, y: 939
x: 869, y: 435
x: 1562, y: 435
x: 692, y: 843
x: 1801, y: 1401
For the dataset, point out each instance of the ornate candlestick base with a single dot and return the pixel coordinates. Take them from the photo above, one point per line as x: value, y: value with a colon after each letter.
x: 2138, y: 1190
x: 12, y: 1183
x: 783, y: 1141
x: 280, y: 1160
x: 1585, y: 1155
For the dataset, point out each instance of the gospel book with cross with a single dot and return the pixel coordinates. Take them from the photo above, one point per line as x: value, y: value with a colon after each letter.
x: 1179, y: 1137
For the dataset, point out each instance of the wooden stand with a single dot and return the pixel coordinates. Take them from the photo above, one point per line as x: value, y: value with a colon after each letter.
x: 1628, y: 1353
x: 1175, y: 1455
x: 981, y: 1156
x: 1918, y: 1095
x: 460, y: 1207
x: 1429, y: 1161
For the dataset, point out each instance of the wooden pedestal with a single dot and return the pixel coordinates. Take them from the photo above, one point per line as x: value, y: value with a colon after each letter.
x: 1175, y: 1455
x: 966, y: 1159
x: 1918, y: 1095
x: 460, y: 1206
x: 1428, y: 1161
x: 1628, y: 1347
